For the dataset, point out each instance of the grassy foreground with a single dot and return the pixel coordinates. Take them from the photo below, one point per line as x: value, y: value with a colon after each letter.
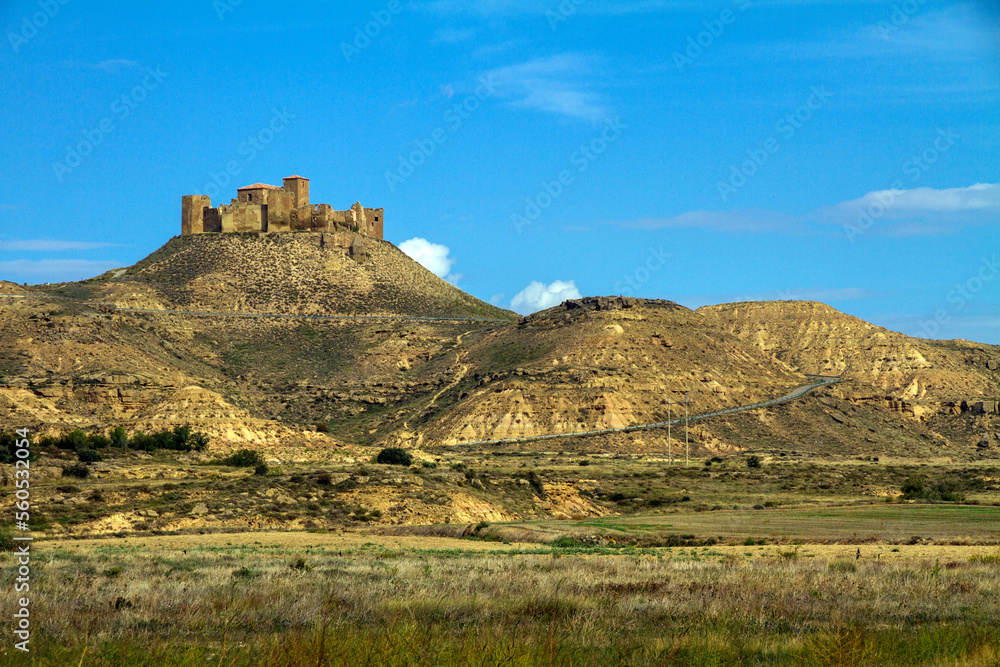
x: 404, y: 602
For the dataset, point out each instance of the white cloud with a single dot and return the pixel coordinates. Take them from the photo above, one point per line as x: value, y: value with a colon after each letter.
x: 538, y: 296
x: 432, y: 256
x: 46, y: 245
x: 53, y: 270
x: 915, y: 212
x: 978, y: 198
x: 551, y: 84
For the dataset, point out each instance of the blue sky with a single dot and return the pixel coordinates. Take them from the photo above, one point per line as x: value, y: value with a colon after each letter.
x: 530, y: 151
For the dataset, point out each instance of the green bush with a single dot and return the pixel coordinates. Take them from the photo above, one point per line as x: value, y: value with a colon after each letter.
x: 753, y: 461
x: 260, y: 471
x: 394, y: 456
x: 76, y: 470
x: 119, y: 438
x: 245, y: 458
x: 8, y: 449
x: 142, y: 442
x: 89, y: 456
x: 915, y: 488
x: 74, y: 440
x: 98, y: 441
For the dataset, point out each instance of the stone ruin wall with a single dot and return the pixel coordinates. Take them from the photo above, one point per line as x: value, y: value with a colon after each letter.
x: 278, y: 214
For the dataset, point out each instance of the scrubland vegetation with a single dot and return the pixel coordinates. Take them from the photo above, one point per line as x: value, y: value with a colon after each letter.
x: 260, y: 604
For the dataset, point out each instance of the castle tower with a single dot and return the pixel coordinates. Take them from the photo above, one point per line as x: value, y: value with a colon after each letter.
x: 299, y: 187
x: 193, y: 213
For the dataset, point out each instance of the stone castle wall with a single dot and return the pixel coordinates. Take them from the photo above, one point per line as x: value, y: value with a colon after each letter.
x: 273, y: 209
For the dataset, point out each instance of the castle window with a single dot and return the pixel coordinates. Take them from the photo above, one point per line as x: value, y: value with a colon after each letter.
x: 249, y: 197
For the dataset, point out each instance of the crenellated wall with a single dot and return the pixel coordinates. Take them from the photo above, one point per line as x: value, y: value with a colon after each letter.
x: 268, y: 208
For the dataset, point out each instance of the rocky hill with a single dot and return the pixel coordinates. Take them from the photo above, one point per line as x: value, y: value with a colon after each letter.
x: 87, y: 360
x: 291, y: 274
x: 925, y: 375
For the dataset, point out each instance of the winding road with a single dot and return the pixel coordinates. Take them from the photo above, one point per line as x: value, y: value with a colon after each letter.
x: 797, y: 393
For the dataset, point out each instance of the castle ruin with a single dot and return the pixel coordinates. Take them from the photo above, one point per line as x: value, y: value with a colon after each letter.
x: 268, y: 208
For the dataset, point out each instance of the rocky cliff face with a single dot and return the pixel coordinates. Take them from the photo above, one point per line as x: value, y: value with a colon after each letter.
x: 909, y: 374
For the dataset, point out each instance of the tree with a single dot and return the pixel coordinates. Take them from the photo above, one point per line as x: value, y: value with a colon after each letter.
x: 395, y: 456
x: 119, y: 438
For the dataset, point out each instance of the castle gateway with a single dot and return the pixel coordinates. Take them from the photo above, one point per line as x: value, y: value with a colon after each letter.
x: 268, y: 208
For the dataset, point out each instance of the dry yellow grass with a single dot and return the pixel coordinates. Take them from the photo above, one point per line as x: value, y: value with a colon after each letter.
x: 356, y: 598
x: 351, y: 540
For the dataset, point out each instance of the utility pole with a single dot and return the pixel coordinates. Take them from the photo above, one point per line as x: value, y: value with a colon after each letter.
x: 687, y: 448
x: 670, y: 453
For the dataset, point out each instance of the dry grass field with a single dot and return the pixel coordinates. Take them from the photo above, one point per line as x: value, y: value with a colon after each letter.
x: 354, y: 598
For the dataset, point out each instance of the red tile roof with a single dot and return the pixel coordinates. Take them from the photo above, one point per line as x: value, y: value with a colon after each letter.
x: 288, y: 178
x: 259, y: 186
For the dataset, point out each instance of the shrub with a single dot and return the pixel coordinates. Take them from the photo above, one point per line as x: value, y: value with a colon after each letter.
x: 142, y: 442
x: 753, y: 461
x: 75, y: 440
x: 300, y: 564
x: 199, y: 442
x: 395, y: 456
x: 260, y: 471
x: 346, y: 485
x: 89, y: 456
x: 98, y: 441
x: 245, y: 458
x: 246, y: 573
x: 76, y: 470
x: 119, y: 438
x: 916, y: 488
x: 322, y: 427
x: 8, y: 449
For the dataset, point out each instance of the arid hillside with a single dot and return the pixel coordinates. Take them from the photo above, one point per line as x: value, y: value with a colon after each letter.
x: 386, y: 371
x: 291, y: 274
x: 816, y: 338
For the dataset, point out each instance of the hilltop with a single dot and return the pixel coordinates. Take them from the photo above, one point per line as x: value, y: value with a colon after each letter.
x: 292, y: 274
